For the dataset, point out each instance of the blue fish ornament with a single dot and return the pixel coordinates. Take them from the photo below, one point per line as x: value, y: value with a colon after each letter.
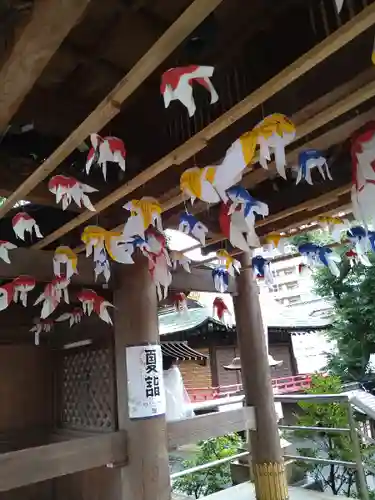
x: 317, y: 256
x: 262, y: 269
x: 240, y: 197
x: 359, y: 238
x: 191, y: 226
x: 309, y: 159
x: 220, y: 276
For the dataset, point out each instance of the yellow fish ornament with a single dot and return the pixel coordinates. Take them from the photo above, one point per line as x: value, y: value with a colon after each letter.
x: 144, y: 213
x: 65, y: 255
x: 232, y: 265
x: 275, y: 241
x: 334, y: 225
x: 98, y: 241
x: 272, y: 135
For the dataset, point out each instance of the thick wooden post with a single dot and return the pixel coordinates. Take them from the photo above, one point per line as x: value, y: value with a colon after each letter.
x: 266, y: 453
x: 146, y: 477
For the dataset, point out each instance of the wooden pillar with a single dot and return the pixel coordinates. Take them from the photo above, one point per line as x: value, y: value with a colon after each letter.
x: 147, y: 476
x: 267, y: 461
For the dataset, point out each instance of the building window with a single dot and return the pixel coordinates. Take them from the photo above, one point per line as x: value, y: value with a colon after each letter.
x: 292, y: 285
x: 294, y: 300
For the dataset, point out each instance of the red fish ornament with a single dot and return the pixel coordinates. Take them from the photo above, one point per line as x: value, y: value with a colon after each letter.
x: 22, y: 286
x: 5, y: 246
x: 105, y: 149
x: 221, y: 311
x: 6, y: 295
x: 52, y: 295
x: 68, y: 189
x: 74, y: 317
x: 180, y: 302
x: 159, y: 262
x: 23, y: 223
x: 16, y: 290
x: 41, y: 326
x: 91, y: 301
x: 363, y: 174
x: 176, y: 84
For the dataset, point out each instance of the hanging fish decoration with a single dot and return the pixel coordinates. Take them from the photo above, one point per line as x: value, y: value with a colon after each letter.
x: 180, y: 302
x: 41, y: 326
x: 318, y: 256
x: 334, y: 225
x: 52, y: 294
x: 74, y: 317
x: 102, y: 266
x: 339, y: 5
x: 92, y: 302
x: 144, y: 213
x: 103, y: 150
x: 358, y: 237
x: 68, y: 189
x: 6, y: 295
x: 276, y: 241
x: 262, y: 269
x: 65, y: 256
x: 159, y: 262
x: 221, y: 311
x: 191, y: 226
x: 179, y: 258
x: 238, y: 228
x: 220, y: 276
x: 5, y: 246
x: 272, y: 135
x: 21, y: 287
x: 23, y: 223
x: 307, y: 161
x: 177, y: 84
x: 363, y: 174
x: 355, y: 258
x: 232, y: 265
x: 242, y: 201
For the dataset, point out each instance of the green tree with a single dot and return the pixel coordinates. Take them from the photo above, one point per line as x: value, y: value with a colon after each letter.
x: 339, y: 480
x: 214, y: 479
x: 352, y: 295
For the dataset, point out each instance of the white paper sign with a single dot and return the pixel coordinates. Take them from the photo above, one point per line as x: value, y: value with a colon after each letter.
x: 146, y: 394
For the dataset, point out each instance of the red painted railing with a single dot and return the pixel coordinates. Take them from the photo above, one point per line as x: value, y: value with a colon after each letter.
x: 283, y: 385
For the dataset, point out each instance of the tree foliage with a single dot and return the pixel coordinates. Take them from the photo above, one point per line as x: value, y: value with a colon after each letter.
x: 338, y: 479
x: 214, y: 479
x: 353, y: 323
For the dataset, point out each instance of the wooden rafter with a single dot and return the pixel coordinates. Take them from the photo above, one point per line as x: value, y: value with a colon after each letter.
x: 110, y: 106
x: 50, y: 23
x: 196, y: 143
x: 37, y: 263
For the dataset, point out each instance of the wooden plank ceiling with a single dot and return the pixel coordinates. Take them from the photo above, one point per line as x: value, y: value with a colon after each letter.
x: 99, y: 71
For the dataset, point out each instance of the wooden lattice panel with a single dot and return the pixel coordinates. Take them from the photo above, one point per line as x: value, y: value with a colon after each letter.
x: 86, y: 390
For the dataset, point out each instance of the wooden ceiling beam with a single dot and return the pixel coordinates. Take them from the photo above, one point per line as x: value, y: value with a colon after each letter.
x: 38, y: 263
x: 111, y: 105
x: 49, y: 24
x: 302, y: 65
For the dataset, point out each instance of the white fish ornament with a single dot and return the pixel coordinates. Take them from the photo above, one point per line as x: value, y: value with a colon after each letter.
x: 179, y: 258
x: 23, y: 223
x: 65, y: 256
x: 52, y: 295
x: 308, y: 160
x: 5, y: 246
x: 104, y: 150
x: 191, y: 226
x: 41, y: 326
x: 92, y: 302
x: 177, y: 84
x: 74, y: 317
x: 68, y: 189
